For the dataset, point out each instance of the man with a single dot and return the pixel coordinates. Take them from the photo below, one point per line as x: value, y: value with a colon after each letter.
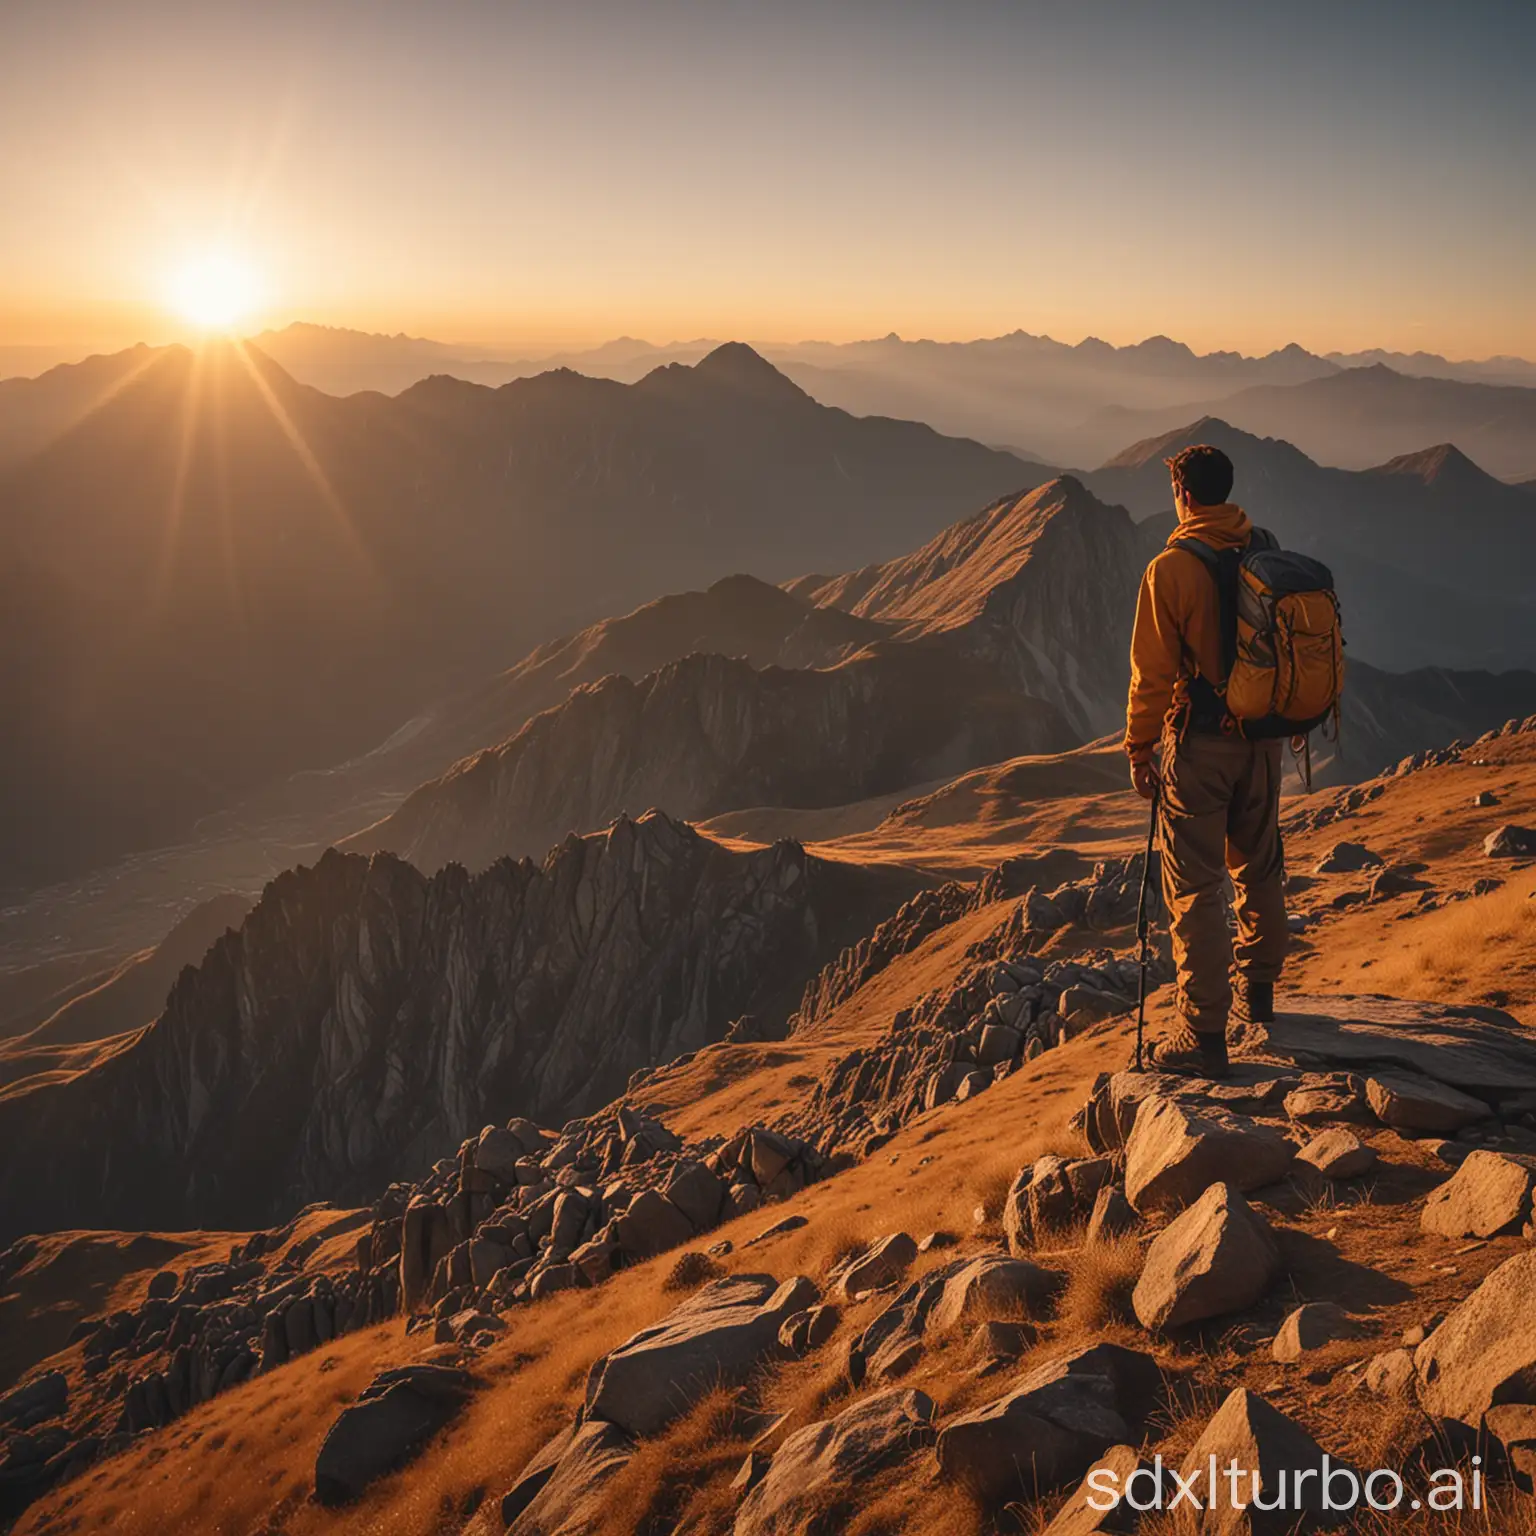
x: 1217, y: 793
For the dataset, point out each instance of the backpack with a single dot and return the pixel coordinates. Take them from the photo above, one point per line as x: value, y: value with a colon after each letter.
x: 1281, y: 641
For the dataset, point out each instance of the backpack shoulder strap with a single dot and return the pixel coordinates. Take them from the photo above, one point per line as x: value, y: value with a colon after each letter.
x: 1222, y: 564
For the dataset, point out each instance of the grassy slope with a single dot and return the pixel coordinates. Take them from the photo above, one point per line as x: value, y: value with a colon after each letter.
x: 242, y: 1463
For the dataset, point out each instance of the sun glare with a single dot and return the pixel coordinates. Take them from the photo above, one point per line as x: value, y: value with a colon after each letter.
x: 215, y: 291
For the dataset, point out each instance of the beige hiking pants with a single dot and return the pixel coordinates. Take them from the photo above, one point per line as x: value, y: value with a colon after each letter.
x: 1220, y: 814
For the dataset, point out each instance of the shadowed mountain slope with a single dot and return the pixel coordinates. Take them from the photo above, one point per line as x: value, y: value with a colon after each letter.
x: 1037, y: 583
x: 365, y: 1016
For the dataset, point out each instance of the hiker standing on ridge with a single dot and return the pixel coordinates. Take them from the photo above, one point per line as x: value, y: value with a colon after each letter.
x: 1216, y: 790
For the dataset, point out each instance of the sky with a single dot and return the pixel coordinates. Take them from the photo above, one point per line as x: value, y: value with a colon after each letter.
x: 1236, y: 175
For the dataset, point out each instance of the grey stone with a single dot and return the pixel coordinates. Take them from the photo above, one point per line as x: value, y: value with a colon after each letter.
x: 1175, y: 1154
x: 1308, y: 1328
x: 1218, y: 1256
x: 1267, y: 1446
x: 1338, y: 1154
x: 1409, y: 1102
x: 719, y: 1335
x: 880, y: 1264
x: 1485, y: 1351
x: 821, y: 1468
x: 1490, y: 1193
x: 396, y: 1414
x: 1051, y: 1426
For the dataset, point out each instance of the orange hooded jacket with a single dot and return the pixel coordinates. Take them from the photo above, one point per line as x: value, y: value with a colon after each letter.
x: 1178, y: 625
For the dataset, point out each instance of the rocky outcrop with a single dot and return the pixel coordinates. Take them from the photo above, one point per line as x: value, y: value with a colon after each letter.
x: 707, y: 734
x: 366, y: 1015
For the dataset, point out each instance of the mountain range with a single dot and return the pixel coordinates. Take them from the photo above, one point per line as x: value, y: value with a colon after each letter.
x: 217, y: 575
x: 1068, y: 404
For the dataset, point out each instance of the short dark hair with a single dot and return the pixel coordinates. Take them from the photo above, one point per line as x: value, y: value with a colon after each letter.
x: 1204, y: 473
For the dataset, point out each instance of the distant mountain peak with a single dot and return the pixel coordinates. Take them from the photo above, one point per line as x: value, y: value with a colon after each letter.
x: 732, y: 365
x: 1444, y: 462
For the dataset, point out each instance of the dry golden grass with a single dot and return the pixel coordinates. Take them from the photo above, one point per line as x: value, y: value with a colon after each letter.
x: 1100, y: 1279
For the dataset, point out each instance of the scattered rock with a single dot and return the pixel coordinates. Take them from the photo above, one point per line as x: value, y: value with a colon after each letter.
x: 1408, y: 1102
x: 1310, y: 1327
x: 1513, y: 1425
x: 1112, y: 1473
x: 1484, y: 798
x: 1174, y: 1154
x: 1338, y: 1154
x: 44, y: 1397
x: 996, y: 1340
x: 992, y: 1285
x: 817, y: 1471
x: 879, y: 1265
x: 1113, y: 1216
x: 1346, y: 859
x: 803, y: 1331
x: 937, y: 1240
x: 1490, y: 1193
x: 396, y: 1414
x: 1510, y: 842
x: 1219, y: 1256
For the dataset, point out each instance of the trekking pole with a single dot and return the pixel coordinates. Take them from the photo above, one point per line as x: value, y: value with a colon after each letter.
x: 1143, y: 923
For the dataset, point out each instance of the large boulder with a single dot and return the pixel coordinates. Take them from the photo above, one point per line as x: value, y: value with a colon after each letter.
x: 893, y: 1342
x: 1052, y: 1426
x: 1219, y: 1256
x: 1176, y: 1153
x: 1490, y: 1193
x: 1269, y: 1450
x: 397, y: 1413
x: 1409, y: 1102
x: 1485, y: 1351
x: 1479, y: 1050
x: 697, y: 1193
x: 561, y: 1494
x: 818, y: 1470
x: 717, y: 1336
x: 498, y: 1153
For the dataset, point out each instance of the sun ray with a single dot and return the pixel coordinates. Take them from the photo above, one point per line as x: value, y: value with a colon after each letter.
x: 191, y: 402
x: 307, y: 458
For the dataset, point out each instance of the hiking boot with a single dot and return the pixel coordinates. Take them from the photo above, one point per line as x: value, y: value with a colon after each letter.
x: 1189, y: 1053
x: 1253, y: 1002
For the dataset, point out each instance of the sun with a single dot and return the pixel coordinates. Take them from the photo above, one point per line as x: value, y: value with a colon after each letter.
x: 215, y: 291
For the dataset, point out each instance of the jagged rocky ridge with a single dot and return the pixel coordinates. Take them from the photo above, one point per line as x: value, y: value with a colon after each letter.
x: 365, y: 1014
x: 709, y: 733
